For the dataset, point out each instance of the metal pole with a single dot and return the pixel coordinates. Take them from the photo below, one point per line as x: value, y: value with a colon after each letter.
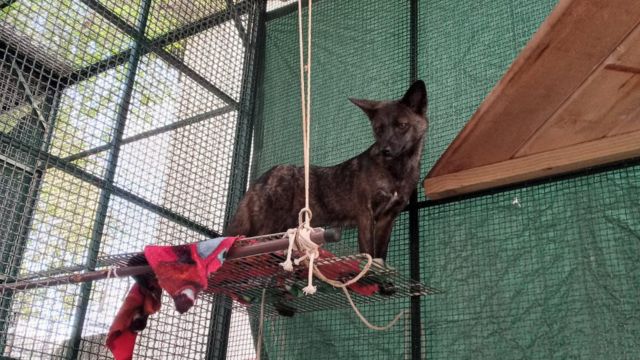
x: 49, y: 111
x: 173, y: 36
x: 221, y: 313
x: 157, y: 131
x: 106, y: 192
x: 414, y: 219
x: 236, y: 20
x: 278, y: 242
x: 142, y: 42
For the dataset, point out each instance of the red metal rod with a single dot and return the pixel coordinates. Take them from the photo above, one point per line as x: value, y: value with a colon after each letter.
x: 318, y: 235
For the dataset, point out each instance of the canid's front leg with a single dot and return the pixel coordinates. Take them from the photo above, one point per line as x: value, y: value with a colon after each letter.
x: 382, y: 235
x: 388, y: 208
x: 365, y: 233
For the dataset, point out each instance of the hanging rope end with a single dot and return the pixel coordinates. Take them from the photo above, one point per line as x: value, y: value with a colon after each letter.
x: 300, y: 259
x: 309, y: 290
x: 287, y: 265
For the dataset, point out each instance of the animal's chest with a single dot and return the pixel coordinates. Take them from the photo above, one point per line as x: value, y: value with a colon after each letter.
x: 389, y: 198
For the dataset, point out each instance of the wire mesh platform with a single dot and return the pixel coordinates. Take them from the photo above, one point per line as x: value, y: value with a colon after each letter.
x: 245, y: 278
x: 284, y: 294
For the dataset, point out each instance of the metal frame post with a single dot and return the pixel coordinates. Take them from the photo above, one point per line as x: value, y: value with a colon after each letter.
x: 159, y: 42
x: 414, y: 218
x: 107, y: 191
x: 77, y: 172
x: 253, y: 64
x: 49, y: 112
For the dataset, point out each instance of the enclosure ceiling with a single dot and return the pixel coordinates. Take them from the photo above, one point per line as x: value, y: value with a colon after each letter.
x: 570, y: 100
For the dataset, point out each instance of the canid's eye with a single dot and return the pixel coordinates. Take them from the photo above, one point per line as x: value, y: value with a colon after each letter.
x: 378, y: 129
x: 403, y: 126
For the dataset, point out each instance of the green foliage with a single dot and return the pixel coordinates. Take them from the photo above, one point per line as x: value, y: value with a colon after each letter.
x: 79, y: 38
x: 167, y: 15
x: 10, y: 119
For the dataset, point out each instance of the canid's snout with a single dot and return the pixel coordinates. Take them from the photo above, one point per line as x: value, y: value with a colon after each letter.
x: 386, y: 151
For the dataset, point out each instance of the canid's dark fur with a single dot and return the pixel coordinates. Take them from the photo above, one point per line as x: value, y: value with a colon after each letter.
x: 367, y: 191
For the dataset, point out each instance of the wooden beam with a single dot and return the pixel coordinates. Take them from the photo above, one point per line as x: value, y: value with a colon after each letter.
x: 602, y: 103
x: 590, y: 114
x: 535, y: 166
x: 576, y: 38
x: 631, y: 123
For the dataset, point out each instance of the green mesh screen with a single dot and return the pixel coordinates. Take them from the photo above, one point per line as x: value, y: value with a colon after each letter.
x: 554, y: 274
x: 548, y: 271
x: 360, y: 49
x: 464, y: 49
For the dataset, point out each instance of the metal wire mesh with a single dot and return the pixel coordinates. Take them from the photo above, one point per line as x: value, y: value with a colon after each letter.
x: 553, y: 274
x: 119, y: 127
x: 362, y: 50
x: 129, y: 123
x: 535, y: 281
x: 245, y: 275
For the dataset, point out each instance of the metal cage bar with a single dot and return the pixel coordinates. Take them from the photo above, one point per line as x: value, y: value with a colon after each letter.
x: 254, y: 53
x: 143, y: 41
x: 74, y: 170
x: 174, y: 126
x: 46, y: 116
x: 414, y: 220
x: 105, y: 194
x: 181, y: 33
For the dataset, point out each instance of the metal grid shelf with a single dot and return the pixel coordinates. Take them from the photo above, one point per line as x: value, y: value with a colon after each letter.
x: 284, y: 289
x: 245, y: 278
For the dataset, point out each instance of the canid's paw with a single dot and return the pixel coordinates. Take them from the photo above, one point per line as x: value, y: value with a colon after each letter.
x: 284, y: 310
x: 387, y: 288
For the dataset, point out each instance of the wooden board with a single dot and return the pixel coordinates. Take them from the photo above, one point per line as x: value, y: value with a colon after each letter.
x: 576, y: 82
x: 555, y: 162
x: 599, y: 105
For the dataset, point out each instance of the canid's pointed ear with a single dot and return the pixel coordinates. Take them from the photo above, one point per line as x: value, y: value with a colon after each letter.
x: 368, y: 106
x: 416, y: 97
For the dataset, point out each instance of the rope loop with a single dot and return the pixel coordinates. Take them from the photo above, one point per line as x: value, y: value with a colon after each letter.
x: 304, y: 217
x: 300, y: 237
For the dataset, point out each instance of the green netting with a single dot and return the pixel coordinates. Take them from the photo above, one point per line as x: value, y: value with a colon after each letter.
x: 464, y: 50
x: 554, y: 275
x: 339, y: 334
x: 360, y: 49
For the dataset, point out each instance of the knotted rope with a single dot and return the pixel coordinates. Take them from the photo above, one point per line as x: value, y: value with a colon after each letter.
x: 299, y: 238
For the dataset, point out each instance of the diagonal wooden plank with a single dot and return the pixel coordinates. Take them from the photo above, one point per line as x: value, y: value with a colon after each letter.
x: 577, y: 37
x: 601, y: 104
x: 517, y: 170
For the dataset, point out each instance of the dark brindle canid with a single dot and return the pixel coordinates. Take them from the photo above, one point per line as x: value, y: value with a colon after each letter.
x: 367, y: 191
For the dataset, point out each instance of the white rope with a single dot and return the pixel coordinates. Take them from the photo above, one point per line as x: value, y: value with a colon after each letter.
x: 364, y: 320
x: 303, y: 244
x: 307, y: 133
x: 355, y: 279
x: 305, y: 101
x: 344, y: 286
x: 111, y: 272
x: 299, y: 238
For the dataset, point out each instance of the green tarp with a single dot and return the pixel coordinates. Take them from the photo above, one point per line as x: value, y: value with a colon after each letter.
x: 544, y: 272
